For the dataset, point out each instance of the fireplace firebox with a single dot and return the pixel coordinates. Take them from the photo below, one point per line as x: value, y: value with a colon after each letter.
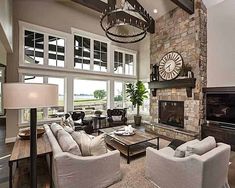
x: 171, y: 113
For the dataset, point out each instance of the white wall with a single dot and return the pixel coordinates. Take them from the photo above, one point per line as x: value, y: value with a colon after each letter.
x: 144, y: 59
x: 6, y: 24
x: 221, y: 44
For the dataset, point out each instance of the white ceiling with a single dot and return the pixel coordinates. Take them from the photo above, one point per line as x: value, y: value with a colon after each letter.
x: 163, y: 6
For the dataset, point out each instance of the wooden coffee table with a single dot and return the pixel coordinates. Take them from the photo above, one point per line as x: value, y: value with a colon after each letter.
x: 130, y: 146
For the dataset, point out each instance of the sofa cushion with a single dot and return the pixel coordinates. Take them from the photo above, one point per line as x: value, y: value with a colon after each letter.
x: 68, y: 129
x: 55, y: 128
x: 181, y: 150
x: 201, y: 147
x: 89, y: 145
x: 67, y: 143
x: 117, y: 118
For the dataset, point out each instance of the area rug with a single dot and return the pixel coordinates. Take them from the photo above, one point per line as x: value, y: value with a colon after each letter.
x: 133, y: 173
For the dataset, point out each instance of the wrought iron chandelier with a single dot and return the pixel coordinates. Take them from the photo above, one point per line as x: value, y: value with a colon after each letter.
x: 125, y: 23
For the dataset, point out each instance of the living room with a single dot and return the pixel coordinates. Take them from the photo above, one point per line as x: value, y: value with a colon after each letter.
x: 140, y: 80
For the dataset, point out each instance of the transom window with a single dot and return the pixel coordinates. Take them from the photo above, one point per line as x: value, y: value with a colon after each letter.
x: 82, y: 52
x: 100, y: 56
x: 123, y: 63
x: 56, y: 51
x: 33, y: 47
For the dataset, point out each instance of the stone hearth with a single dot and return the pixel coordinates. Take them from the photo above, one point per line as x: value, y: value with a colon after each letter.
x: 178, y: 31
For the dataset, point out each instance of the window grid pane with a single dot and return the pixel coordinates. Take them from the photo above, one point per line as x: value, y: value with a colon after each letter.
x: 100, y: 56
x: 56, y: 51
x: 33, y: 47
x: 82, y: 52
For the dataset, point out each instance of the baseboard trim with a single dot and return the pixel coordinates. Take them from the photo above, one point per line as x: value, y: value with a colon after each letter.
x: 10, y: 140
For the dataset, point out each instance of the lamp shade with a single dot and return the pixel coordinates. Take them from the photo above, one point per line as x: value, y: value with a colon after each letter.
x: 22, y: 95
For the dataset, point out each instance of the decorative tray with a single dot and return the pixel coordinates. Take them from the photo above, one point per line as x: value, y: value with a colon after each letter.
x: 25, y: 133
x: 123, y: 133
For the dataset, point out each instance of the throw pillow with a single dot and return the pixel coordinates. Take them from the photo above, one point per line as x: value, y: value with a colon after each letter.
x: 69, y: 122
x: 201, y: 147
x: 68, y: 129
x: 117, y: 118
x: 181, y: 150
x: 89, y: 145
x: 55, y: 128
x: 67, y: 143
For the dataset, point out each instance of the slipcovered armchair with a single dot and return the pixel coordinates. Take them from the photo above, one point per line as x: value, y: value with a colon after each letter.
x: 209, y: 170
x: 116, y: 117
x: 80, y: 123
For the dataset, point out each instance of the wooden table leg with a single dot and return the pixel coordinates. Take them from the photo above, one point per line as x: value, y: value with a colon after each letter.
x: 158, y: 143
x: 128, y: 154
x: 10, y: 174
x: 51, y: 180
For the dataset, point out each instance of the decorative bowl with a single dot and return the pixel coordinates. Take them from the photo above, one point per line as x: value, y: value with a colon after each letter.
x: 25, y: 133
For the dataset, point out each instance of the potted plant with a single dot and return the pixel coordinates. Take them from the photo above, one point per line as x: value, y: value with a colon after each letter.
x: 137, y: 93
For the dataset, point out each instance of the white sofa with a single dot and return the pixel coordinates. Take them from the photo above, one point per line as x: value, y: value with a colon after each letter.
x: 209, y: 170
x: 74, y: 171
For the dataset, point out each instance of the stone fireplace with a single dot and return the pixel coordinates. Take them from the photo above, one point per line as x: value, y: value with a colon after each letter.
x: 186, y: 34
x: 171, y: 113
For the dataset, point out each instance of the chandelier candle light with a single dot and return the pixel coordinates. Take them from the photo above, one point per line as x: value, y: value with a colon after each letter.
x: 125, y: 22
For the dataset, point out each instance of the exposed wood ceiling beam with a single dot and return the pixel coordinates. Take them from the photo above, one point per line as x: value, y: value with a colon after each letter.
x: 96, y: 5
x: 100, y: 6
x: 187, y: 5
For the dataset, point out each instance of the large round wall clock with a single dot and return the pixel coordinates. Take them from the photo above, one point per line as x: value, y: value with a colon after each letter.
x: 170, y: 66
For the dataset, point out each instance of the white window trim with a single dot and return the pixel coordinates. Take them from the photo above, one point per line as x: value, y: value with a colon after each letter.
x: 46, y: 32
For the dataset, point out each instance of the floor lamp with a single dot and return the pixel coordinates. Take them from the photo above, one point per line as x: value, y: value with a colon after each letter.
x: 30, y: 96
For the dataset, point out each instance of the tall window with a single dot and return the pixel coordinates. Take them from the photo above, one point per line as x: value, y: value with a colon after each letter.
x: 33, y: 47
x: 90, y: 95
x: 56, y: 51
x: 123, y: 63
x: 56, y: 111
x: 45, y: 113
x: 40, y: 111
x: 100, y: 56
x: 146, y: 104
x: 2, y: 80
x: 82, y: 52
x: 118, y: 95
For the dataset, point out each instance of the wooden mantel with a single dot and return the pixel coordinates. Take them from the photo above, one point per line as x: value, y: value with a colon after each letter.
x: 188, y: 83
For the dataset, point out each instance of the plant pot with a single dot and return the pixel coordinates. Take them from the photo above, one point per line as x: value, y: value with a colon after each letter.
x: 137, y: 120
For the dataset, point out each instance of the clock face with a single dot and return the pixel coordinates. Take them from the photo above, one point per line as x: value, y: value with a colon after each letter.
x: 170, y: 66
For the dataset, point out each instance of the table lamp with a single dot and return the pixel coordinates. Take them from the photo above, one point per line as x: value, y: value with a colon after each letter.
x: 31, y: 96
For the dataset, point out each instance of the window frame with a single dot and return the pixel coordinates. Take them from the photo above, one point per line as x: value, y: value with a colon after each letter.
x: 93, y: 37
x: 23, y: 26
x: 124, y: 52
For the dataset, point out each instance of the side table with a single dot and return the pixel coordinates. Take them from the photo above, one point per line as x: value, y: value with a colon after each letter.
x: 21, y: 151
x: 98, y: 121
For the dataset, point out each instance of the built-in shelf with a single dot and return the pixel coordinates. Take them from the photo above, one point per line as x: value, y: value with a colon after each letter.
x: 188, y: 83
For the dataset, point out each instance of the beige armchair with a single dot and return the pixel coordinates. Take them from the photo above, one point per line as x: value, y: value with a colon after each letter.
x: 206, y: 171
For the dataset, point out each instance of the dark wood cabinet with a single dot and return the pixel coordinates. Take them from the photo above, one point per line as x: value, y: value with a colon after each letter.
x: 221, y: 133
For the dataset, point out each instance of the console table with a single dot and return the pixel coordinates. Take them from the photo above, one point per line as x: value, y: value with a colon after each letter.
x: 21, y: 151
